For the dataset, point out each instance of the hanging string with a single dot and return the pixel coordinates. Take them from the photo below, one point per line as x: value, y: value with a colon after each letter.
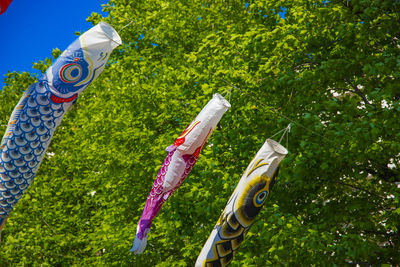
x: 272, y: 109
x: 287, y: 137
x: 240, y: 90
x: 120, y: 30
x: 287, y: 131
x: 228, y: 94
x: 277, y: 133
x: 119, y: 14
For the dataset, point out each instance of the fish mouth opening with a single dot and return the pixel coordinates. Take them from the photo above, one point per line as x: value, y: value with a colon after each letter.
x: 110, y: 32
x: 277, y: 147
x: 222, y: 100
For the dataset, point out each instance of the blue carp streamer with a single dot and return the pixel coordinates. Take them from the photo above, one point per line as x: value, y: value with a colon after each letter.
x: 42, y: 107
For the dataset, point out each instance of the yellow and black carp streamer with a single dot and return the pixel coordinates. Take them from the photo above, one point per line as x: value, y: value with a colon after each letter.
x: 243, y: 206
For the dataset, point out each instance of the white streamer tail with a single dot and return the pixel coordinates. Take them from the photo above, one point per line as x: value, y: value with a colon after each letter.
x: 139, y: 245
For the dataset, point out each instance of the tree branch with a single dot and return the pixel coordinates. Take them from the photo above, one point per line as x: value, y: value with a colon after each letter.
x: 358, y: 92
x: 356, y: 187
x: 381, y: 233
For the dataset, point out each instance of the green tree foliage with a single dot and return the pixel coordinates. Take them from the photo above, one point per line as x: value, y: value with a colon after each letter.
x: 333, y: 67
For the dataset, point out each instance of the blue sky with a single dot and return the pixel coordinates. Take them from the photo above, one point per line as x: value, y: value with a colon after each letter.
x: 30, y: 30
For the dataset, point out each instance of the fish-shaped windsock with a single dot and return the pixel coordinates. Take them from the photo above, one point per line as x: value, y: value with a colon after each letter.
x: 243, y: 206
x: 182, y: 156
x: 4, y: 5
x: 42, y: 107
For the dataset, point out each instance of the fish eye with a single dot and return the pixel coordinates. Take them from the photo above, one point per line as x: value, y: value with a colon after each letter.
x: 260, y: 197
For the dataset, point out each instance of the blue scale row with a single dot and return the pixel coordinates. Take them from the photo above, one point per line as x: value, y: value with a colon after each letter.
x: 36, y: 118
